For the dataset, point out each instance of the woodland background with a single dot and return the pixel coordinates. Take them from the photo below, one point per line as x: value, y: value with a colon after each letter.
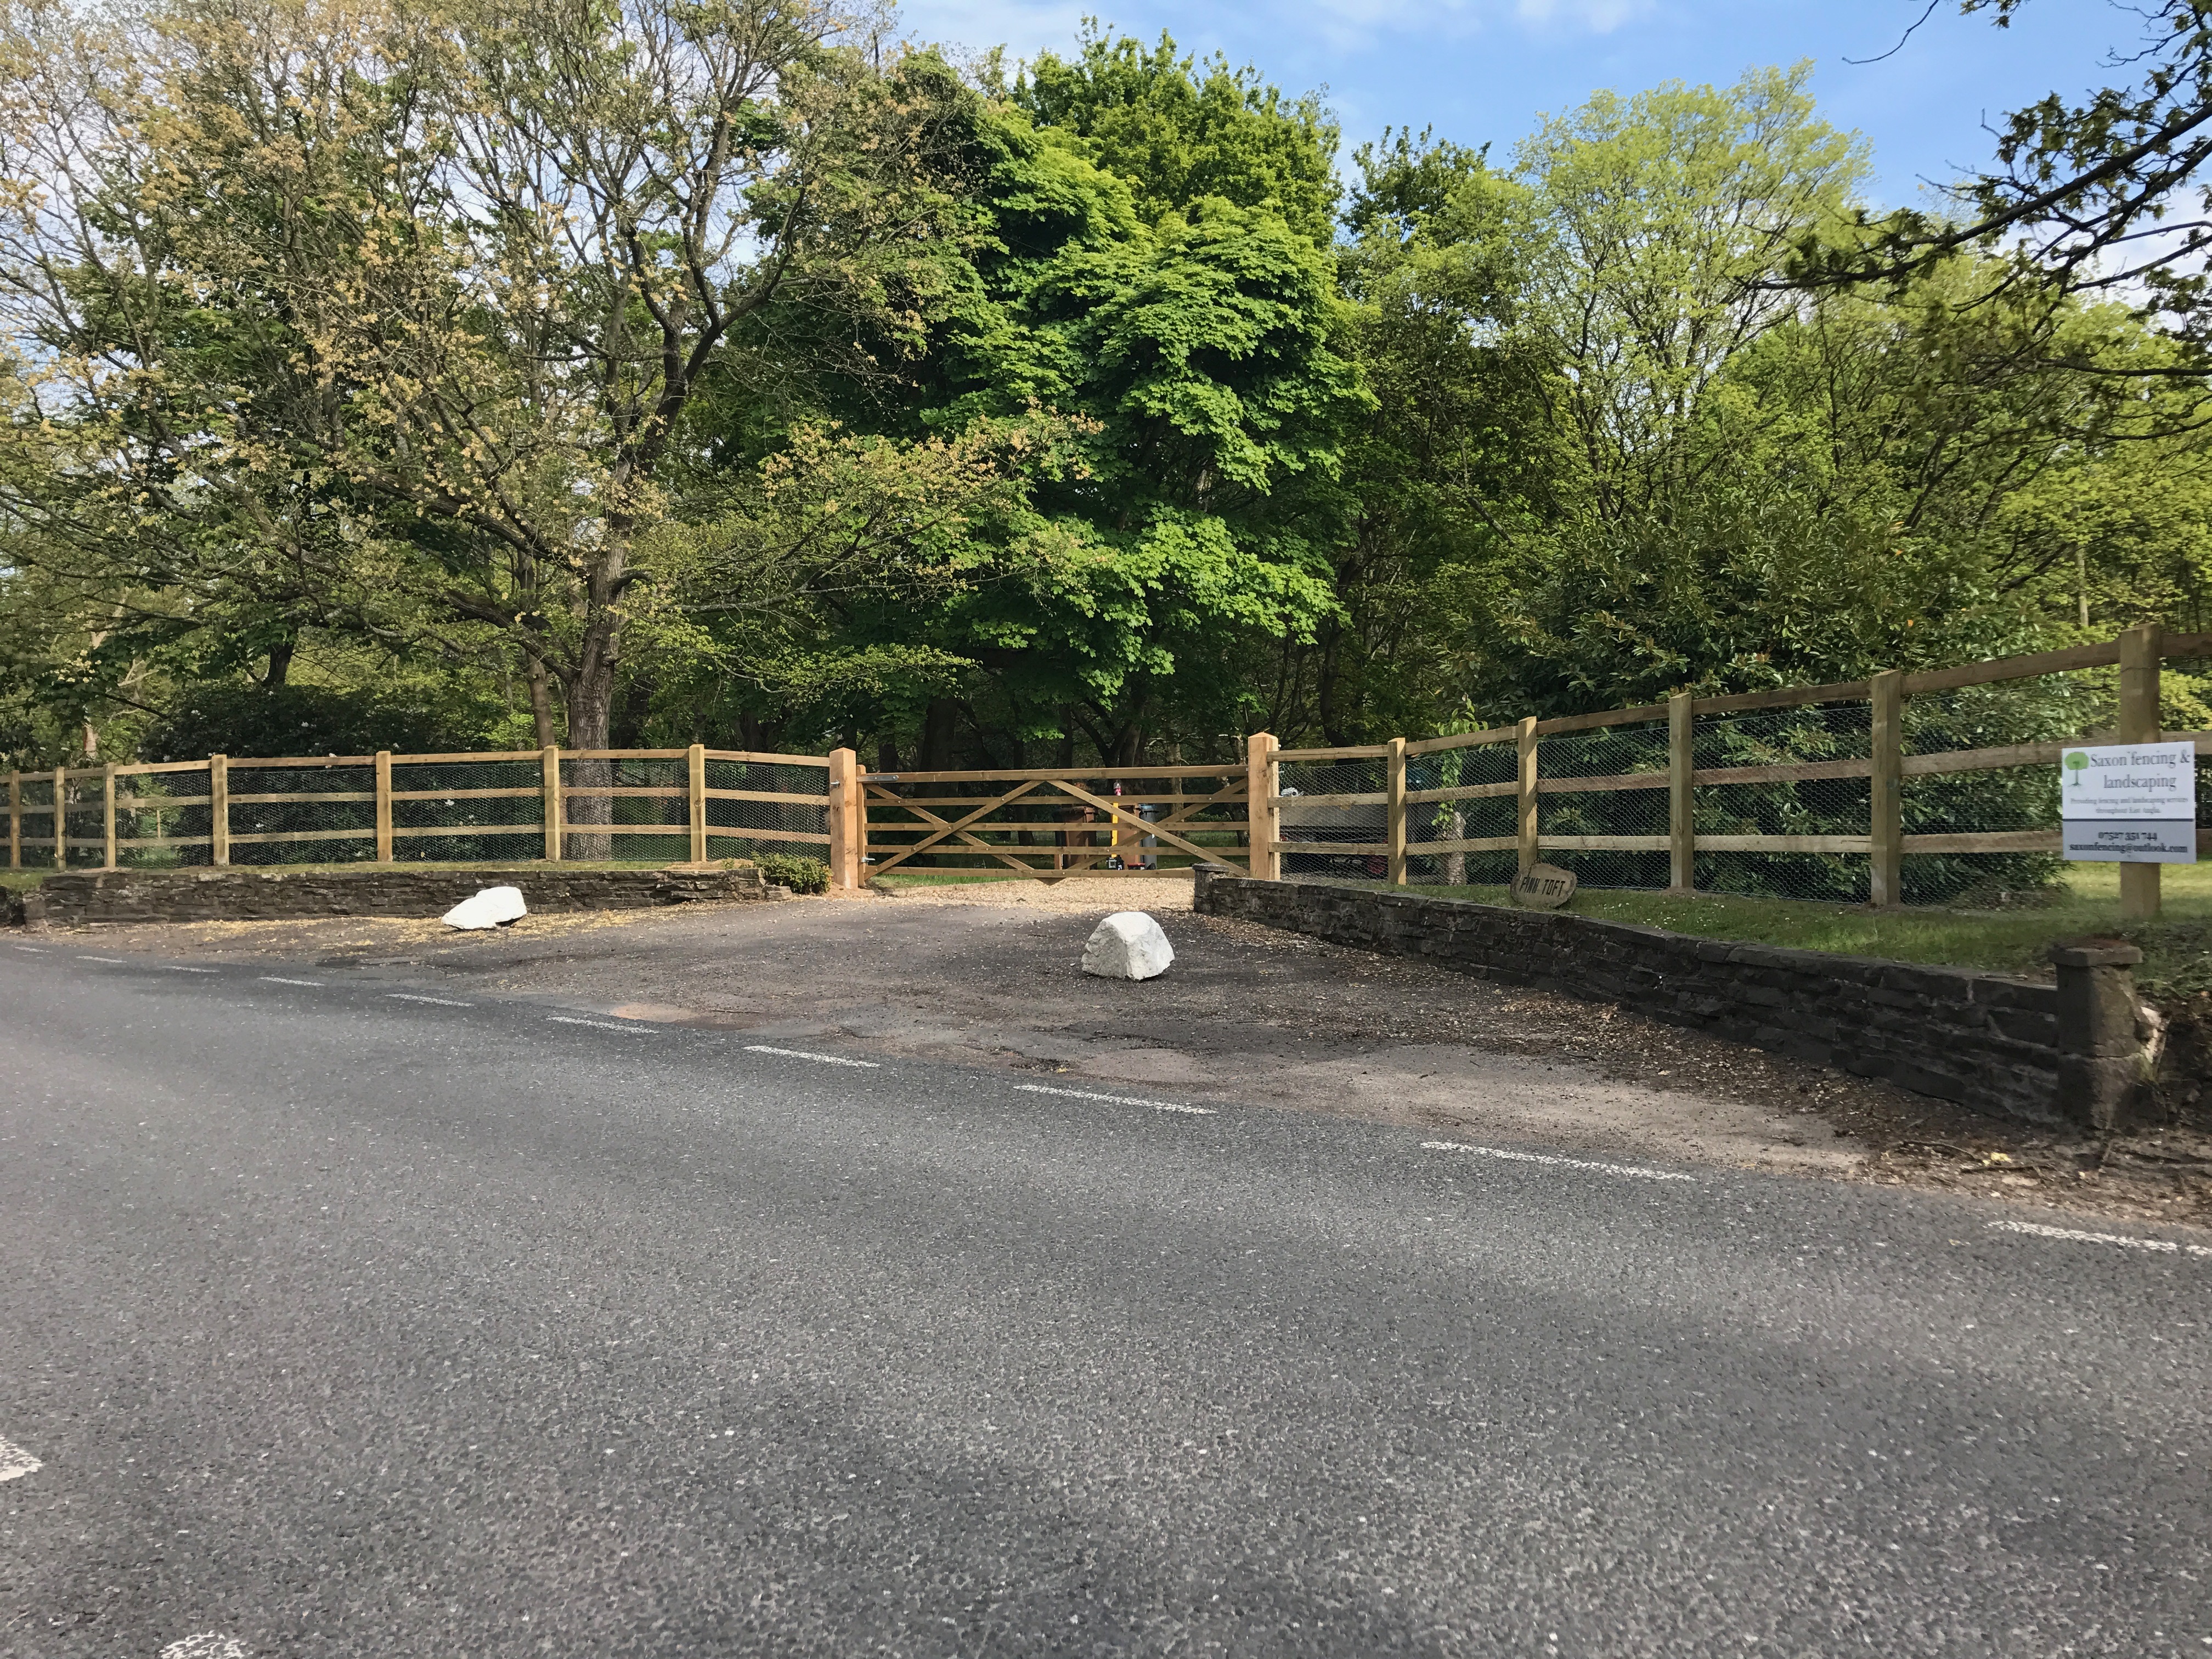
x: 636, y: 372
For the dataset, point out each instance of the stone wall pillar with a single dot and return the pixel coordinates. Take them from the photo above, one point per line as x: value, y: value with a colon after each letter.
x: 2100, y: 1057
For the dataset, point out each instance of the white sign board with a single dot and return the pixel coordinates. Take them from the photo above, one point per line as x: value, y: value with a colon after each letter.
x: 2132, y: 803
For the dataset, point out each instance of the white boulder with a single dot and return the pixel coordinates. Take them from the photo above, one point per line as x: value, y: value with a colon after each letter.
x: 1127, y: 945
x: 495, y: 906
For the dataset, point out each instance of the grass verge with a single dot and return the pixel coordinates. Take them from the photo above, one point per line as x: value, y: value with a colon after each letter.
x: 2176, y: 947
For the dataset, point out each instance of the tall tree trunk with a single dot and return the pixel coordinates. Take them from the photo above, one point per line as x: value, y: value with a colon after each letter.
x: 280, y: 662
x: 591, y: 691
x: 541, y: 701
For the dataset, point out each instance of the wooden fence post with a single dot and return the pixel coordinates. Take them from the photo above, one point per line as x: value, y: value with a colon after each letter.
x: 15, y: 820
x: 695, y: 766
x: 1262, y: 817
x: 548, y: 761
x: 1885, y: 799
x: 61, y: 817
x: 384, y: 807
x: 218, y: 809
x: 107, y: 815
x: 1681, y: 795
x: 848, y: 821
x: 2139, y: 649
x: 1525, y: 745
x: 1394, y: 792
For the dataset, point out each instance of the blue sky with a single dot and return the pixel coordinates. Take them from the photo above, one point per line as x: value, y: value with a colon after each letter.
x: 1482, y: 71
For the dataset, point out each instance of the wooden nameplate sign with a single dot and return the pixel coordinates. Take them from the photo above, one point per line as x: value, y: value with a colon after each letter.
x: 1543, y: 887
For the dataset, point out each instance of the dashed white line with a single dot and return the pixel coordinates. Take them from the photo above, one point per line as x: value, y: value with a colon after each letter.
x: 1118, y: 1100
x: 15, y: 1463
x: 1635, y: 1169
x: 443, y: 1002
x: 113, y: 961
x: 801, y: 1054
x: 275, y: 979
x: 208, y: 1644
x: 35, y: 949
x: 600, y: 1024
x: 2164, y: 1246
x: 179, y: 968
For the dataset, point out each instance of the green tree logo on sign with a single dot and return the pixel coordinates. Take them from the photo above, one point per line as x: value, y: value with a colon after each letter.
x: 2077, y: 763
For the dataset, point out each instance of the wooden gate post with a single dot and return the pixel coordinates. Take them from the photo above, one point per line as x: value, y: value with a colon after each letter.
x: 384, y: 807
x: 1525, y: 746
x: 1394, y: 797
x: 107, y: 815
x: 1885, y: 799
x: 1262, y: 817
x: 695, y: 765
x: 549, y: 762
x: 61, y: 817
x: 1681, y: 796
x: 2139, y: 649
x: 218, y: 809
x: 848, y: 821
x: 15, y: 820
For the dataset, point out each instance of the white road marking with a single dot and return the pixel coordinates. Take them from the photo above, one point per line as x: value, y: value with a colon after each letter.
x: 273, y: 979
x: 15, y: 1463
x: 601, y: 1024
x: 35, y: 949
x: 2165, y: 1246
x: 443, y: 1002
x: 208, y: 1644
x: 113, y: 962
x: 801, y: 1054
x: 1117, y: 1100
x: 1637, y: 1171
x: 179, y: 968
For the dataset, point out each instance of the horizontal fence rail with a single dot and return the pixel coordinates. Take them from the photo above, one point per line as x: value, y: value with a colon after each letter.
x: 1914, y: 787
x: 1858, y: 791
x: 498, y: 806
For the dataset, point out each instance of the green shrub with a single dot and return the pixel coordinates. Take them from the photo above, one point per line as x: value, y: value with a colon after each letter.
x: 800, y: 874
x: 257, y: 721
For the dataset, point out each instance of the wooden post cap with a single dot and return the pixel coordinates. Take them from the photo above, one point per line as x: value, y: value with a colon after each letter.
x: 2095, y: 953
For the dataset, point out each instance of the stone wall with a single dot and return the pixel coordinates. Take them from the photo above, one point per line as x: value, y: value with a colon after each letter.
x: 89, y: 898
x: 1988, y: 1041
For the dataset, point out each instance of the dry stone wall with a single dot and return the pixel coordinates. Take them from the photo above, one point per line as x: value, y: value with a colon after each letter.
x: 1988, y: 1041
x: 93, y: 897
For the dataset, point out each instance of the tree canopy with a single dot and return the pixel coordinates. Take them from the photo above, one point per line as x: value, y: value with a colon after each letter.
x: 741, y: 372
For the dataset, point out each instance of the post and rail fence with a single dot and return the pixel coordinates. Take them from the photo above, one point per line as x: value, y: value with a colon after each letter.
x: 1902, y: 788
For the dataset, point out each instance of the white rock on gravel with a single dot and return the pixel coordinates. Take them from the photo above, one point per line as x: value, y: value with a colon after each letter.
x: 492, y: 908
x: 1127, y: 945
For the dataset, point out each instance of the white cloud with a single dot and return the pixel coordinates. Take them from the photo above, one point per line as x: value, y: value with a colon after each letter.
x: 1583, y: 16
x: 1026, y: 26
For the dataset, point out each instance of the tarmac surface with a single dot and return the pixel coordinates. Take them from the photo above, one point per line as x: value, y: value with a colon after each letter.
x: 362, y: 1314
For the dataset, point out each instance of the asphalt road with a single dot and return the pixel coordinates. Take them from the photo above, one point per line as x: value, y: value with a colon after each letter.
x: 338, y: 1324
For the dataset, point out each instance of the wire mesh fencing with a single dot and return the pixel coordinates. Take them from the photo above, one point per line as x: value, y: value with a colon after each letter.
x: 163, y: 818
x: 289, y: 812
x: 750, y: 809
x: 2017, y: 799
x: 626, y: 809
x: 1633, y: 761
x: 1479, y: 818
x: 468, y: 810
x: 32, y: 821
x: 1809, y: 809
x: 1326, y: 834
x: 83, y: 820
